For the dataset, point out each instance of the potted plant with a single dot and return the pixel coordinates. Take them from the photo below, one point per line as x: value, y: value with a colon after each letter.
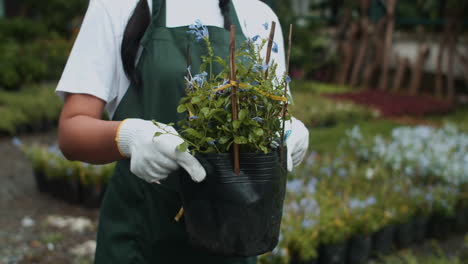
x: 36, y: 156
x: 233, y: 119
x: 334, y: 231
x: 94, y: 180
x: 441, y: 221
x: 363, y: 222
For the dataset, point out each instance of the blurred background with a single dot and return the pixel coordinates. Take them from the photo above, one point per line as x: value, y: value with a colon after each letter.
x: 381, y: 84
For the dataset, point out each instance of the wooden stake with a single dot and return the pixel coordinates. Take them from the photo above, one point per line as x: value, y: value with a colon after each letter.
x: 270, y: 46
x: 234, y: 94
x: 285, y: 105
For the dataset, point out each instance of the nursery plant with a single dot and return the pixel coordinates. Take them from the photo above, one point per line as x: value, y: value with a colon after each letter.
x: 209, y: 126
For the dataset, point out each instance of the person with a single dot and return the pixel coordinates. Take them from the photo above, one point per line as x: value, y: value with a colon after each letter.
x: 129, y: 59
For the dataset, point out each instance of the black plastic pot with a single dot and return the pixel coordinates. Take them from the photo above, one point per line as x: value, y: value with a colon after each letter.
x: 420, y: 228
x: 359, y: 248
x: 41, y: 181
x: 461, y: 219
x: 296, y: 259
x: 333, y: 253
x: 382, y: 241
x: 439, y: 226
x: 66, y: 189
x: 404, y: 235
x: 235, y: 215
x: 92, y: 195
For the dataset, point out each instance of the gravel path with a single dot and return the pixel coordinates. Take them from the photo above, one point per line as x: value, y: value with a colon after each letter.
x: 26, y: 233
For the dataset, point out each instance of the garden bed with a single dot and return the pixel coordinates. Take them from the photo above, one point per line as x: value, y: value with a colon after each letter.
x: 393, y: 105
x: 34, y: 109
x: 75, y: 182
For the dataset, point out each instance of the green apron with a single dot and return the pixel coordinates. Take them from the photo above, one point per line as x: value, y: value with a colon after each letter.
x: 137, y: 218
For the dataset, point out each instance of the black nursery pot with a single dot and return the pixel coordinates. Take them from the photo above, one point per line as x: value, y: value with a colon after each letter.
x: 382, y: 241
x: 92, y: 195
x: 439, y: 226
x: 235, y: 215
x: 359, y: 248
x: 420, y: 228
x: 41, y: 181
x: 404, y: 235
x: 461, y: 219
x: 333, y: 253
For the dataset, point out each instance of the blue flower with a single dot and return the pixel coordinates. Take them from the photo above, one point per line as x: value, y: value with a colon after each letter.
x: 16, y: 142
x: 254, y: 97
x: 266, y: 25
x: 200, y: 78
x: 210, y: 142
x: 275, y: 47
x: 199, y: 30
x: 255, y: 38
x: 193, y: 117
x: 294, y: 185
x: 288, y: 79
x: 257, y: 119
x: 254, y: 83
x: 262, y: 67
x: 287, y: 134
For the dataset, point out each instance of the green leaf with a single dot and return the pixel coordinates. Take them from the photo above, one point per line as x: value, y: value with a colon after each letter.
x: 236, y: 124
x: 170, y: 124
x: 182, y: 147
x: 205, y: 111
x: 240, y: 140
x: 181, y: 109
x: 264, y: 149
x: 223, y: 140
x: 157, y: 134
x: 196, y: 100
x: 192, y: 132
x: 258, y: 131
x: 243, y: 114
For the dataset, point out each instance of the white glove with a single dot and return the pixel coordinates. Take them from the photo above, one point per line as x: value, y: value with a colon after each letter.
x: 154, y: 158
x: 297, y: 141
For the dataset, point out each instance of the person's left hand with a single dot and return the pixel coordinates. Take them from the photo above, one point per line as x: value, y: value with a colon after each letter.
x: 297, y: 142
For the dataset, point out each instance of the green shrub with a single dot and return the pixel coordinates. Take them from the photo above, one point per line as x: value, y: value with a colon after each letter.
x: 21, y: 30
x: 31, y: 106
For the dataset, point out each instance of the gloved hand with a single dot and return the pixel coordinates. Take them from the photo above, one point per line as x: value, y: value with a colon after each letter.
x: 297, y: 142
x: 154, y: 158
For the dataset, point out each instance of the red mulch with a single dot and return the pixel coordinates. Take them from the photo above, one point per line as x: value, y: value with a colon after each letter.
x: 392, y: 105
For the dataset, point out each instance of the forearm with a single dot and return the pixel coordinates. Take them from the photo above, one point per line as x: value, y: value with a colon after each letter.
x: 89, y: 139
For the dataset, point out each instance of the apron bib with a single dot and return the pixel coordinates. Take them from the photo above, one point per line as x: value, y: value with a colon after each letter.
x: 137, y: 223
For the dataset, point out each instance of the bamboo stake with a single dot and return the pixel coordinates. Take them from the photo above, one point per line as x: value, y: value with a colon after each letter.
x: 234, y: 94
x: 285, y: 105
x: 270, y: 46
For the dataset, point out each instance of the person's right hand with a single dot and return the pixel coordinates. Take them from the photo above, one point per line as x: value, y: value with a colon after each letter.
x: 154, y: 158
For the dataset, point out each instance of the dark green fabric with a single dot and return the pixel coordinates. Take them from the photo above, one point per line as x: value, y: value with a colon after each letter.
x: 137, y: 218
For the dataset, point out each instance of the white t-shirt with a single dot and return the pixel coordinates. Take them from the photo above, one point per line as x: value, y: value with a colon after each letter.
x: 95, y: 67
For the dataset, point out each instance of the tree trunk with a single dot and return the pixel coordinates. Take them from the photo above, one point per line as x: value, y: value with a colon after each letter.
x: 402, y: 64
x: 347, y: 54
x: 388, y: 44
x: 439, y: 82
x: 417, y: 70
x: 365, y: 5
x: 376, y: 58
x: 451, y: 59
x: 464, y: 62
